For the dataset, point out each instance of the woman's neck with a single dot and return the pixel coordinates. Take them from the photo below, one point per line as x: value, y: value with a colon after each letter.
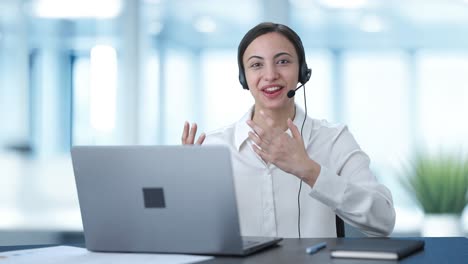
x: 279, y: 116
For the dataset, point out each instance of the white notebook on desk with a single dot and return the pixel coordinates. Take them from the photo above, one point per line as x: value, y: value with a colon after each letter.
x: 76, y: 255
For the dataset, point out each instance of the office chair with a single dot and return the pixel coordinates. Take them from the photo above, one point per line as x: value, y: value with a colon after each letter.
x: 346, y: 230
x: 340, y: 228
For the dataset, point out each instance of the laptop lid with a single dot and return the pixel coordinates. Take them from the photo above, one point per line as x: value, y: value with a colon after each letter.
x: 172, y: 199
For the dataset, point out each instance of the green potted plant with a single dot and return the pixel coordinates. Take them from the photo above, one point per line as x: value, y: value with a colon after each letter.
x: 439, y: 184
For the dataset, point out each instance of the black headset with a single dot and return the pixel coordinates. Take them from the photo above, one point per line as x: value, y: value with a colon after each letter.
x: 304, y: 71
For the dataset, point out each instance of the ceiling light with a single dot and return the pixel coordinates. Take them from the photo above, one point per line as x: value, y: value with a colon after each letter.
x: 205, y: 24
x: 152, y: 1
x: 372, y: 24
x: 348, y: 4
x: 301, y: 3
x: 76, y: 8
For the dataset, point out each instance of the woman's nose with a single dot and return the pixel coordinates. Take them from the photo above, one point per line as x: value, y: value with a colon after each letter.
x: 271, y: 73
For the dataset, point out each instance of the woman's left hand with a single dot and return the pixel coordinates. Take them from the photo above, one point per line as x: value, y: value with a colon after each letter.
x: 286, y: 152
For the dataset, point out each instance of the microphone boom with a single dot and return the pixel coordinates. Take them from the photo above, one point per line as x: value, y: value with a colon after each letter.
x: 291, y: 93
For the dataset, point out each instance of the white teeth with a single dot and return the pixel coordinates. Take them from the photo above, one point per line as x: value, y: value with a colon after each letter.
x: 272, y: 89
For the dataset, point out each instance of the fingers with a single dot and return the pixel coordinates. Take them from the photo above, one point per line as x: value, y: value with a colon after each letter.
x: 261, y: 153
x: 257, y: 129
x: 201, y: 139
x: 258, y: 141
x: 269, y: 130
x: 294, y: 130
x: 192, y: 133
x: 185, y: 133
x: 189, y: 133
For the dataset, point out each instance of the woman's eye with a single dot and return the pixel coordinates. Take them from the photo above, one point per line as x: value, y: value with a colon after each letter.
x: 255, y: 65
x: 283, y: 61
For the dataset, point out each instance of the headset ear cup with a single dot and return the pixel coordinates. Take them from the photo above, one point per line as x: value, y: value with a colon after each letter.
x: 308, y: 74
x: 242, y: 80
x: 305, y: 74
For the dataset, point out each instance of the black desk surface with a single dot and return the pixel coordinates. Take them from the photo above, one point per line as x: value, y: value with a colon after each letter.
x: 451, y: 250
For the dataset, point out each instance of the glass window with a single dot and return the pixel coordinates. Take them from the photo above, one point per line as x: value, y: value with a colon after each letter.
x: 179, y: 94
x: 225, y: 100
x: 149, y: 109
x: 318, y: 88
x: 94, y: 96
x: 377, y: 105
x: 376, y: 109
x: 443, y: 97
x: 82, y: 132
x: 103, y: 89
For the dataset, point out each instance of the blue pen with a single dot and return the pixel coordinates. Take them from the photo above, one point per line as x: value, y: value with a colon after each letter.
x: 315, y: 248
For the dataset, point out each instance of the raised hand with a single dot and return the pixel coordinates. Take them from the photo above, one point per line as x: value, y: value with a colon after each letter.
x: 285, y: 151
x: 189, y: 133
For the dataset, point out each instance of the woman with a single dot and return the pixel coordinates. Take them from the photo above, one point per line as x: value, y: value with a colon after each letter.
x: 271, y: 159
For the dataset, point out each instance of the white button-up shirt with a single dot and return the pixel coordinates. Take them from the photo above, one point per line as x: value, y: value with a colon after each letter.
x: 267, y: 196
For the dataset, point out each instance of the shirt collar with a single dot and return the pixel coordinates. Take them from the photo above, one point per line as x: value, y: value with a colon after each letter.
x: 242, y: 129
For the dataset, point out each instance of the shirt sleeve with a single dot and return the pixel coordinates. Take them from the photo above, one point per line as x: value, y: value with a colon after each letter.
x: 349, y: 187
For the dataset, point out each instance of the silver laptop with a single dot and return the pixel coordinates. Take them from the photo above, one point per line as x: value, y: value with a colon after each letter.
x: 167, y: 199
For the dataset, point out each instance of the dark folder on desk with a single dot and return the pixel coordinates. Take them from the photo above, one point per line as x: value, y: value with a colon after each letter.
x: 376, y: 248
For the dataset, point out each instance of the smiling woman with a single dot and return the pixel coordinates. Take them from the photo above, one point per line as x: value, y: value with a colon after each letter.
x: 272, y: 158
x: 271, y: 70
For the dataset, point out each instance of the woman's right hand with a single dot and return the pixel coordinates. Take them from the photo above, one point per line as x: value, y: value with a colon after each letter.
x: 188, y: 136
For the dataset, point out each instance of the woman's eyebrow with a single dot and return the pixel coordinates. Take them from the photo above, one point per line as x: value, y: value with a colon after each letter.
x: 276, y: 56
x: 255, y: 57
x: 281, y: 54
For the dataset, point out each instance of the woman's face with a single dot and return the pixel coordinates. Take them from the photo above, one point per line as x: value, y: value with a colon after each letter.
x: 271, y: 69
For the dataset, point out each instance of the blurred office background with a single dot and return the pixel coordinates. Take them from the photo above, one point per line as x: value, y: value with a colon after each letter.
x: 113, y: 72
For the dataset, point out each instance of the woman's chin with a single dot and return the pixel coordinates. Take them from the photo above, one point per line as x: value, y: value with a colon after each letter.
x: 276, y: 104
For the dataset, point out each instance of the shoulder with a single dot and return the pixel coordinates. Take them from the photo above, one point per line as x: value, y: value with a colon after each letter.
x: 327, y: 130
x: 331, y: 136
x: 233, y: 134
x: 334, y: 138
x: 314, y: 129
x: 223, y: 135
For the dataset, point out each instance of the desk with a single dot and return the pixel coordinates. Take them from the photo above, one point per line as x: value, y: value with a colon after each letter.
x: 451, y: 250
